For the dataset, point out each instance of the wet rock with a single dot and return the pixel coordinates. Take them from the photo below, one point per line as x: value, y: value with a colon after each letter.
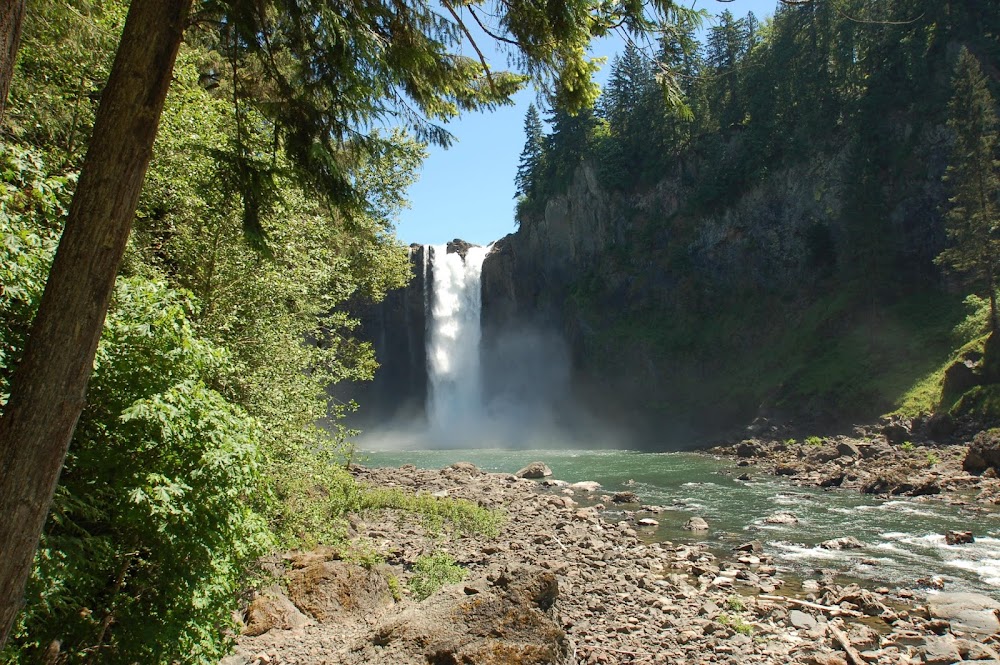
x: 534, y: 470
x: 748, y: 449
x: 696, y: 524
x: 648, y: 521
x: 625, y: 497
x: 959, y: 538
x: 782, y: 517
x: 969, y: 612
x: 586, y: 486
x: 844, y: 543
x: 786, y: 470
x: 753, y: 546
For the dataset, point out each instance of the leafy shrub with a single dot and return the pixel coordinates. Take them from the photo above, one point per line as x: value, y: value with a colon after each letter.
x: 151, y: 531
x: 432, y: 571
x: 814, y: 441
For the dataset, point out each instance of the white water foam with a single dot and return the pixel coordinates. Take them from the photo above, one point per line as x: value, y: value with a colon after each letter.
x: 455, y: 399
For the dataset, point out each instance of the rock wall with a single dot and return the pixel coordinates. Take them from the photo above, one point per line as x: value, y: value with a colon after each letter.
x: 658, y: 296
x: 397, y: 329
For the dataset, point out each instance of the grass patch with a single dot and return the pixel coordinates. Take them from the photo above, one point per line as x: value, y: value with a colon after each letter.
x: 981, y: 402
x: 433, y: 571
x: 437, y: 512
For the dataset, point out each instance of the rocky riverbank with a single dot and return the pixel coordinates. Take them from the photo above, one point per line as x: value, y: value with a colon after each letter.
x: 883, y: 463
x: 562, y: 584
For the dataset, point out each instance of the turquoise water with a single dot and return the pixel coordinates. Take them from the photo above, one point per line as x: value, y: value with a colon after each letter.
x: 904, y: 539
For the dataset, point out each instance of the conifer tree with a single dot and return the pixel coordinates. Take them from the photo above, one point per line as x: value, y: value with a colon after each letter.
x: 974, y: 176
x: 531, y: 156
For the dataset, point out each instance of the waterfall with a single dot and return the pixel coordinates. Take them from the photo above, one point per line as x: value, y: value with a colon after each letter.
x: 453, y: 365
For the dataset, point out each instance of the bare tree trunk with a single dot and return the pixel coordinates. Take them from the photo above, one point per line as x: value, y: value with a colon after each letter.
x: 48, y: 388
x: 11, y: 18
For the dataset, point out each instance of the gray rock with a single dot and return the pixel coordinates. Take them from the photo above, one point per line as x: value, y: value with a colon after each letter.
x: 983, y: 453
x: 586, y: 486
x: 846, y: 448
x: 625, y: 497
x: 782, y: 517
x: 801, y: 620
x: 969, y: 612
x: 696, y: 524
x: 845, y: 543
x: 534, y: 470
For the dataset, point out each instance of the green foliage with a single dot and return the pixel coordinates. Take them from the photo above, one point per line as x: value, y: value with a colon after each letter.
x: 932, y: 458
x: 907, y: 447
x: 32, y: 201
x: 432, y: 571
x: 982, y: 403
x: 974, y: 179
x: 814, y: 441
x: 466, y: 517
x: 735, y: 603
x: 152, y: 530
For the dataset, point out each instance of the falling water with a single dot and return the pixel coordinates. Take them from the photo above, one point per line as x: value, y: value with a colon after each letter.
x: 455, y: 397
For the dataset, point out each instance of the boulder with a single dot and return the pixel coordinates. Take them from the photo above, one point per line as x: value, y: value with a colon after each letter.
x: 748, y: 449
x: 960, y: 376
x: 586, y: 486
x: 696, y: 524
x: 647, y: 521
x: 329, y: 590
x: 940, y: 651
x: 534, y: 470
x: 625, y: 497
x: 844, y: 543
x: 801, y: 620
x: 959, y: 538
x: 983, y: 453
x: 466, y: 467
x: 508, y: 620
x: 782, y: 517
x: 968, y: 612
x: 896, y: 431
x: 271, y: 609
x: 848, y: 449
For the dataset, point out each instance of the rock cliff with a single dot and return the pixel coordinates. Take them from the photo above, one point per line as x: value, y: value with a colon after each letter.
x: 688, y: 321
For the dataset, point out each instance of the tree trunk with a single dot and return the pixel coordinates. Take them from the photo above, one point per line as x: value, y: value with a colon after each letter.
x: 48, y: 387
x: 11, y: 18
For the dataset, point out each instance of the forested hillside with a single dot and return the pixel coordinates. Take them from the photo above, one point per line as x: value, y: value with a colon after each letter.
x: 768, y: 240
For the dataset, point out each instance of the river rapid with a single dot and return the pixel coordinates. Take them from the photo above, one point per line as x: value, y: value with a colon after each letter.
x: 903, y: 538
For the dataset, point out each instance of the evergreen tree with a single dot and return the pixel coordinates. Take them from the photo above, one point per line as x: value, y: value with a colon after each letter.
x: 974, y: 176
x: 529, y: 166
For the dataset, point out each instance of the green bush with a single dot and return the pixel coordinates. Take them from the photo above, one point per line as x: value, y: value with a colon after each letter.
x: 432, y: 571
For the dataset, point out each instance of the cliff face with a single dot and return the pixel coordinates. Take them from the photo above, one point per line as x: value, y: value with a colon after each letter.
x: 396, y: 327
x: 687, y: 322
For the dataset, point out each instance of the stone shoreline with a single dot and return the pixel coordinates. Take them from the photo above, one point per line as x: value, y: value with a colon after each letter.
x: 562, y: 584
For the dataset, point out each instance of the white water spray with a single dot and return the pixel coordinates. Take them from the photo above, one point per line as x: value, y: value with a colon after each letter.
x: 455, y: 399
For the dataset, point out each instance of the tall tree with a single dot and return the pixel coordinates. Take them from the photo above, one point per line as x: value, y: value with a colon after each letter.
x: 326, y: 72
x: 531, y: 156
x: 973, y: 220
x: 11, y: 19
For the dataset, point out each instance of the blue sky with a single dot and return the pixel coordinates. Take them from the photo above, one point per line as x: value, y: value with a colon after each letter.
x: 467, y: 190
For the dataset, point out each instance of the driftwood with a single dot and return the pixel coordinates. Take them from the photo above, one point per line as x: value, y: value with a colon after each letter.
x: 832, y: 610
x: 845, y: 644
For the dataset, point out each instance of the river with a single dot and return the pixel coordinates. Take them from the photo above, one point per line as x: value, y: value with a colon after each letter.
x: 903, y: 538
